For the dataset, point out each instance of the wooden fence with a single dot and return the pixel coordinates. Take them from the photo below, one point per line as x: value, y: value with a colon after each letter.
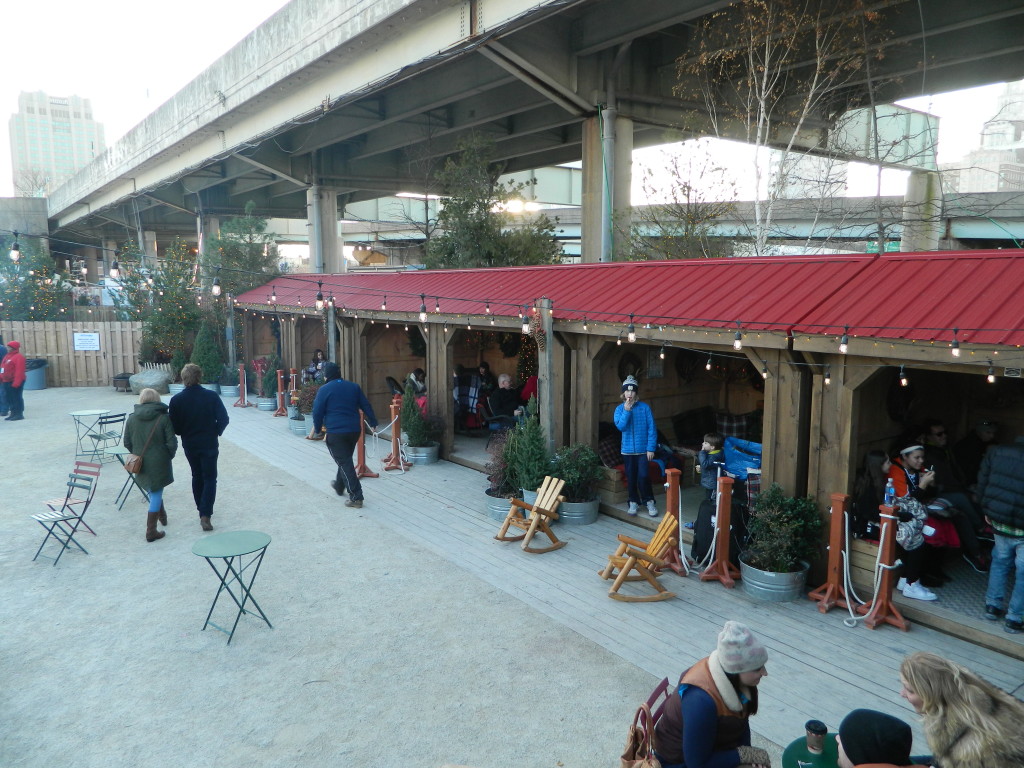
x: 105, y: 349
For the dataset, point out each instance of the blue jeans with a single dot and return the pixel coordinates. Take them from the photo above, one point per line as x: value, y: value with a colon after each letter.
x: 156, y: 500
x: 638, y: 483
x: 1008, y: 551
x: 203, y: 462
x: 341, y: 445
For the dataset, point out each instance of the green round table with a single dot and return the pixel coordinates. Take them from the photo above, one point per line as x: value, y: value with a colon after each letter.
x: 797, y: 756
x: 231, y: 554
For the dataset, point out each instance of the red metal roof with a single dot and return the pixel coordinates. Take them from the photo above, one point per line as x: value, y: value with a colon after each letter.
x: 894, y: 296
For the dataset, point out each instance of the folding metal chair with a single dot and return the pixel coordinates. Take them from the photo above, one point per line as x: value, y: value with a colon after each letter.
x: 87, y: 469
x: 62, y: 523
x: 106, y: 434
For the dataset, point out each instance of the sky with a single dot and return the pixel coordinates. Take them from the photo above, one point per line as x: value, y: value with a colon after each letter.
x: 126, y: 57
x: 130, y: 57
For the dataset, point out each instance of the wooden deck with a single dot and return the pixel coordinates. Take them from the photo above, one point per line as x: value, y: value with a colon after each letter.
x: 818, y: 667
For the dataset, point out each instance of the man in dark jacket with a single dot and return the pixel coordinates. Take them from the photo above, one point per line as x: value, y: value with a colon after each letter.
x: 1001, y: 490
x: 12, y: 379
x: 337, y: 407
x: 199, y: 417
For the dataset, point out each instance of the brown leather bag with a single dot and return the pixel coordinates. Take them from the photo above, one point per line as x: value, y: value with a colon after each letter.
x: 639, y: 752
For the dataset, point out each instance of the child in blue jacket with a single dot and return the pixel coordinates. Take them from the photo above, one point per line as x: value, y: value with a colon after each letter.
x: 639, y: 440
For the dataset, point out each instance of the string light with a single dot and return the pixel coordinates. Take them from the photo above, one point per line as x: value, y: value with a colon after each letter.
x: 737, y: 343
x: 844, y: 342
x: 661, y: 352
x: 384, y: 304
x: 15, y: 250
x: 991, y: 373
x: 955, y: 346
x: 445, y: 326
x: 524, y: 322
x: 319, y: 294
x: 904, y: 381
x: 273, y: 295
x: 115, y: 271
x: 423, y: 308
x: 764, y: 369
x: 828, y: 375
x: 618, y: 339
x: 487, y: 307
x: 585, y: 326
x: 631, y: 330
x: 437, y: 305
x: 215, y: 290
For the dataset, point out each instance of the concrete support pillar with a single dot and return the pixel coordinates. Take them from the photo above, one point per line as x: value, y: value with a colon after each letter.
x: 618, y: 208
x: 91, y: 256
x: 324, y: 249
x: 592, y: 197
x: 107, y: 255
x: 922, y: 212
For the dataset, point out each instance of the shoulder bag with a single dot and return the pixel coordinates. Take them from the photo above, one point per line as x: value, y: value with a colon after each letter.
x: 639, y: 753
x: 132, y: 462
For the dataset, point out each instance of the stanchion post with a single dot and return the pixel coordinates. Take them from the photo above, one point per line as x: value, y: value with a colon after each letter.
x: 361, y: 469
x: 832, y: 592
x: 882, y: 610
x: 674, y: 558
x: 722, y: 568
x: 243, y: 397
x: 281, y: 410
x: 394, y: 459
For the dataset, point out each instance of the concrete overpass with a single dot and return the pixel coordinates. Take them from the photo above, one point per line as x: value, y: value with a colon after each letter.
x: 331, y: 103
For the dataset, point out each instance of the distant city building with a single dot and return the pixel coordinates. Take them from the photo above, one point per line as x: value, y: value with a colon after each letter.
x: 52, y: 137
x: 998, y: 166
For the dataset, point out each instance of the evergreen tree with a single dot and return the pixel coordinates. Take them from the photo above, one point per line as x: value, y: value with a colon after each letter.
x: 244, y: 251
x: 206, y: 354
x: 31, y: 289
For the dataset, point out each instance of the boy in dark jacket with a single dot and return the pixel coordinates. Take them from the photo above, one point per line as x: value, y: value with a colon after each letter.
x: 709, y: 459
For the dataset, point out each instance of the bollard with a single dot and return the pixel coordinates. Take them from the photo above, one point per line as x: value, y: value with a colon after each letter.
x: 722, y: 568
x: 361, y: 469
x: 243, y: 396
x: 832, y: 592
x: 882, y: 609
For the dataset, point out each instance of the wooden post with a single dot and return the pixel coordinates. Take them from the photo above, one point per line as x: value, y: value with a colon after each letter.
x: 832, y: 592
x: 281, y: 410
x: 394, y: 459
x: 722, y: 568
x: 881, y: 609
x: 361, y: 469
x: 674, y: 558
x: 243, y: 396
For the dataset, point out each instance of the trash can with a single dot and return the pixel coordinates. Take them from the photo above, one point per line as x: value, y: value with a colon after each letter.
x: 35, y: 373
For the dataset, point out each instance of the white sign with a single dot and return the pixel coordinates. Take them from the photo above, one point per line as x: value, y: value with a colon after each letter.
x: 87, y: 342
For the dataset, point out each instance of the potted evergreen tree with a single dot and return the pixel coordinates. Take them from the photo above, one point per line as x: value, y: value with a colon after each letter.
x: 501, y: 485
x: 783, y: 534
x: 178, y: 360
x: 421, y: 433
x: 206, y: 354
x: 579, y: 466
x: 229, y: 382
x: 529, y: 460
x: 267, y: 401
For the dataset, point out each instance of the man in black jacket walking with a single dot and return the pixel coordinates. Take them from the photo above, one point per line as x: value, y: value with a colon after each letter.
x: 1001, y: 490
x: 199, y: 417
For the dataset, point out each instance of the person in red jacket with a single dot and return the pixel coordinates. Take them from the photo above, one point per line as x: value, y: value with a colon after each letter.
x: 12, y: 376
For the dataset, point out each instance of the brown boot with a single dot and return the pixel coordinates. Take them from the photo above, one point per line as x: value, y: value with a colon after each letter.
x: 152, y: 534
x: 163, y: 514
x: 204, y: 523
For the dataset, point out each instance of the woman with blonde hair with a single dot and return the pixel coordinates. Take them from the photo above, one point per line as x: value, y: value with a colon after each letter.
x: 149, y: 434
x: 969, y: 723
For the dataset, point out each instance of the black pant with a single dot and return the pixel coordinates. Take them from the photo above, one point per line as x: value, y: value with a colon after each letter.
x: 203, y: 462
x: 15, y: 400
x: 341, y: 445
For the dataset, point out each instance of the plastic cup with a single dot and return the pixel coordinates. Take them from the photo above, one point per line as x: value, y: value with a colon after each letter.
x: 816, y: 731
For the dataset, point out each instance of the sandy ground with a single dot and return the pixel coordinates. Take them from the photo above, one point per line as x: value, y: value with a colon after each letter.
x: 381, y: 653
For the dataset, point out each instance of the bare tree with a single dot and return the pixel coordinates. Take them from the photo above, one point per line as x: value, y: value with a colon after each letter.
x: 31, y: 182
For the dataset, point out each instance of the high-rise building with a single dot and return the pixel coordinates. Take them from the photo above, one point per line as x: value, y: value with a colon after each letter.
x: 51, y: 138
x: 998, y: 166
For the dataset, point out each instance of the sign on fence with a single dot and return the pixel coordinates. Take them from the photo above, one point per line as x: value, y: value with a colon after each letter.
x: 87, y: 342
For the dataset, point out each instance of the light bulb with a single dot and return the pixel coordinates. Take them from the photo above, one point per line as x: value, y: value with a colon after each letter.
x: 954, y: 348
x: 707, y: 366
x: 904, y: 381
x: 319, y: 294
x: 631, y: 330
x: 15, y: 249
x: 585, y: 326
x: 764, y: 371
x: 844, y: 342
x: 115, y: 271
x: 525, y: 323
x: 384, y: 304
x: 423, y: 308
x: 661, y: 352
x: 828, y: 375
x: 737, y: 342
x: 991, y: 378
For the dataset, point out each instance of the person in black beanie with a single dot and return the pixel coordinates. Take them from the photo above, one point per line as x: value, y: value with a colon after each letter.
x: 870, y: 738
x: 336, y: 408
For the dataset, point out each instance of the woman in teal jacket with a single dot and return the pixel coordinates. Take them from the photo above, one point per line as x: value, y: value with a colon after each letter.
x: 639, y: 439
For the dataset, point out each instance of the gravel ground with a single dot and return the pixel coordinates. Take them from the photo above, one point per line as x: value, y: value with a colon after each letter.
x: 381, y: 653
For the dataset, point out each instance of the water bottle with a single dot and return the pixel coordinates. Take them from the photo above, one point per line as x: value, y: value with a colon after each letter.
x: 890, y: 494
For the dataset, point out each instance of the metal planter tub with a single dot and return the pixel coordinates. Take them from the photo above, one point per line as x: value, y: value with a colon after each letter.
x: 773, y: 587
x: 423, y: 454
x: 578, y: 512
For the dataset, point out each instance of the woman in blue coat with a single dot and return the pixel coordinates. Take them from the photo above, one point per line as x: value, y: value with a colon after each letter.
x: 639, y: 439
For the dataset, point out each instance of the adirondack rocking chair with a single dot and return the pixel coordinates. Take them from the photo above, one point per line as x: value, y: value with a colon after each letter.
x: 533, y: 518
x: 644, y: 558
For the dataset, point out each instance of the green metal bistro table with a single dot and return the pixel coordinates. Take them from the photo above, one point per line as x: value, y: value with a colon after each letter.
x: 229, y: 551
x: 797, y: 755
x: 120, y: 452
x: 85, y: 425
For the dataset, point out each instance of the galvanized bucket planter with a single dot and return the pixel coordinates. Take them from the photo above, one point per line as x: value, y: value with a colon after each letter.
x: 497, y: 507
x: 423, y: 454
x: 578, y: 512
x: 211, y: 387
x: 266, y: 403
x: 773, y: 587
x: 229, y: 391
x: 175, y: 388
x: 299, y: 426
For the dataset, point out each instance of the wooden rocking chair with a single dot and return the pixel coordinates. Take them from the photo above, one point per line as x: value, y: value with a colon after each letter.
x: 644, y: 558
x: 540, y: 512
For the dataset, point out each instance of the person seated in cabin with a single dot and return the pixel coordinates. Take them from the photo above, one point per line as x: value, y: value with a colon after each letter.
x: 487, y: 381
x: 504, y: 401
x: 710, y: 459
x: 970, y: 451
x: 418, y: 381
x: 314, y: 371
x: 951, y: 483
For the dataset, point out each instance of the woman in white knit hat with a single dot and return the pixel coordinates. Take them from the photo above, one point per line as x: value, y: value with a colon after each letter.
x: 706, y: 722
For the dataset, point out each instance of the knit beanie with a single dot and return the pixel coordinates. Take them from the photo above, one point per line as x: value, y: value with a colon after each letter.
x: 875, y: 737
x: 331, y: 371
x: 630, y: 384
x: 738, y: 649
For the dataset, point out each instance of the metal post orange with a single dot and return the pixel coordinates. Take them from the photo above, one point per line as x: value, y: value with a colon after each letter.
x: 281, y: 410
x: 394, y: 459
x: 722, y: 568
x: 674, y: 558
x: 243, y: 396
x: 832, y: 592
x: 361, y: 469
x: 882, y: 609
